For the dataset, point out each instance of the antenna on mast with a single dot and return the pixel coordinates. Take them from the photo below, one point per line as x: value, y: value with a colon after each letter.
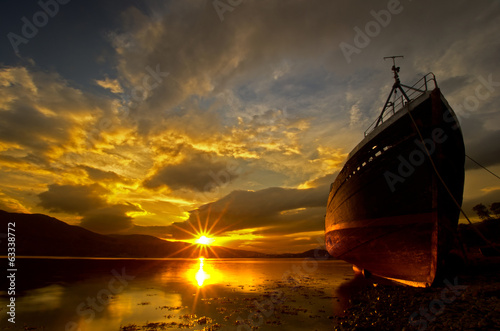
x: 394, y: 68
x: 397, y: 86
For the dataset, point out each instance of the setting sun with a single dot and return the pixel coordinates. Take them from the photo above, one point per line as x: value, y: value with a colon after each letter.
x: 204, y: 240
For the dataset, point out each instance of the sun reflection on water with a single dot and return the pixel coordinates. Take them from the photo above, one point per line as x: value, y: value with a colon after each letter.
x: 203, y: 273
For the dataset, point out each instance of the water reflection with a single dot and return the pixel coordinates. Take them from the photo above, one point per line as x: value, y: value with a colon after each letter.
x: 201, y: 275
x: 45, y: 298
x: 176, y: 292
x: 204, y: 273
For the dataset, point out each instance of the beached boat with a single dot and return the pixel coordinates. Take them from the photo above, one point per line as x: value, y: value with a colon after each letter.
x: 393, y: 209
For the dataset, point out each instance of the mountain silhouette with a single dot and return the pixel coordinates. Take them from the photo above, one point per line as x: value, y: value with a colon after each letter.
x: 42, y: 235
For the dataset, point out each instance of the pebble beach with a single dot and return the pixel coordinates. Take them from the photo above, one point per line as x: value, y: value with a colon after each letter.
x: 470, y: 301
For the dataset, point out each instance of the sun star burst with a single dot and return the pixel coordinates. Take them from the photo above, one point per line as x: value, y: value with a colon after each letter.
x: 204, y: 240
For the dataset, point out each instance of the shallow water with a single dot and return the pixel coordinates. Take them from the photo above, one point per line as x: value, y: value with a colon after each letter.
x: 223, y: 294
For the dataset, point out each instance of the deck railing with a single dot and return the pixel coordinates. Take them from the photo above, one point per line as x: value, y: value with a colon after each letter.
x: 426, y: 83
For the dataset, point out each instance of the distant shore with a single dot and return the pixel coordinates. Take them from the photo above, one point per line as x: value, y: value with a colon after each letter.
x: 471, y: 301
x: 44, y: 236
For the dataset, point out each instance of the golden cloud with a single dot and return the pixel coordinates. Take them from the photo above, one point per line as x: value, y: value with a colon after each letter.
x: 111, y: 84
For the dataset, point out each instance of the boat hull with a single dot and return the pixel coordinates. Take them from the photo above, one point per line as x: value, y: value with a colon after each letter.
x: 388, y: 211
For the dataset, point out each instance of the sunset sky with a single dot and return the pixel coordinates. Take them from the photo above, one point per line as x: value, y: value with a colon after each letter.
x: 158, y: 117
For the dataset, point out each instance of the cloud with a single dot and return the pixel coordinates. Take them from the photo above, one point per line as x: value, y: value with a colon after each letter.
x: 111, y: 84
x: 200, y: 172
x: 230, y: 51
x: 90, y: 202
x: 99, y: 175
x: 245, y: 71
x: 482, y: 149
x: 73, y: 199
x: 324, y: 181
x: 11, y: 204
x: 43, y: 115
x: 109, y: 219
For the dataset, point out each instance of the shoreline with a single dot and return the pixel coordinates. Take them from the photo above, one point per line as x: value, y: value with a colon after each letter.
x: 468, y: 302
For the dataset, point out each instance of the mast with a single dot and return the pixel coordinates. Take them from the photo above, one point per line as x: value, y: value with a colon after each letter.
x: 395, y: 87
x: 408, y: 93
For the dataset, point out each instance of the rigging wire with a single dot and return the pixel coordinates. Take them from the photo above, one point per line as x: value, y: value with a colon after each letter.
x: 482, y: 166
x: 446, y: 186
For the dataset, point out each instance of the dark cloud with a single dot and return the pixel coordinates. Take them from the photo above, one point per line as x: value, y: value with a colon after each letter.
x: 100, y: 175
x: 454, y: 83
x: 284, y: 210
x: 110, y: 219
x: 28, y: 127
x: 484, y: 149
x: 89, y: 201
x: 202, y: 172
x: 233, y: 51
x: 241, y: 48
x: 73, y: 199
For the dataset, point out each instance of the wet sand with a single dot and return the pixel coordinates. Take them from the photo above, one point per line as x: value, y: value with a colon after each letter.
x: 294, y: 303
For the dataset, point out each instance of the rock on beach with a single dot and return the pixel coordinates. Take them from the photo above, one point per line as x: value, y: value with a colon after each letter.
x: 470, y: 301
